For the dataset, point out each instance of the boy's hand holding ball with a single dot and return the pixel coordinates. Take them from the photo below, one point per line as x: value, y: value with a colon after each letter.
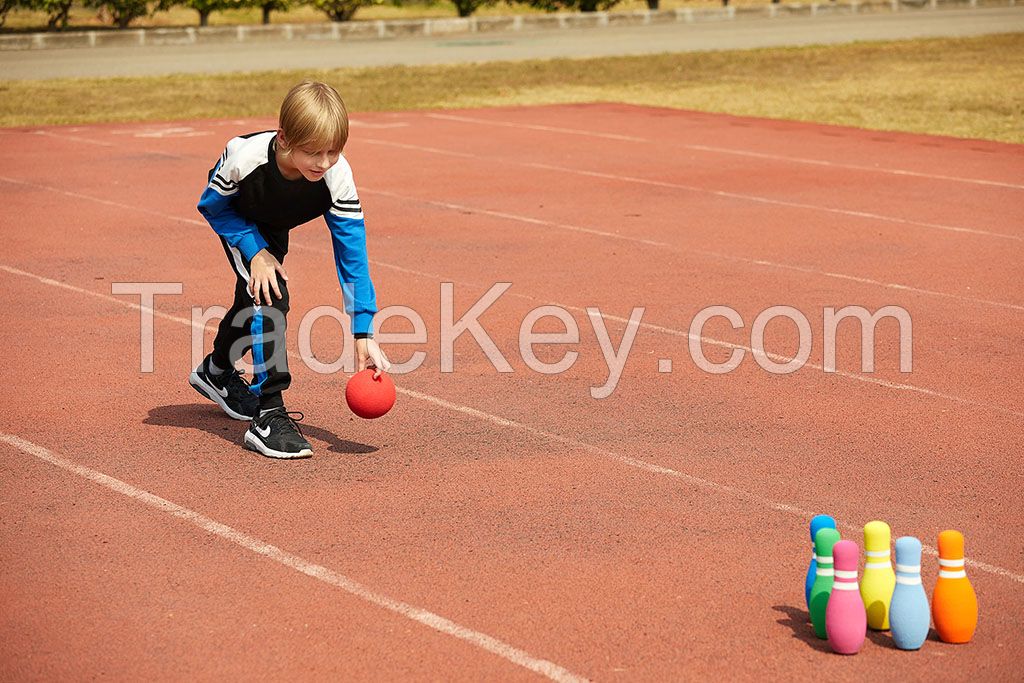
x: 370, y: 355
x: 370, y: 393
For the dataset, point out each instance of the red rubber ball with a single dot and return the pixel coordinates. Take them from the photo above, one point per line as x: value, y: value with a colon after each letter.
x: 368, y: 397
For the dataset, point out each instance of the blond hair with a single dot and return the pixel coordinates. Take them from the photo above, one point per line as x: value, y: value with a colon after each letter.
x: 314, y: 115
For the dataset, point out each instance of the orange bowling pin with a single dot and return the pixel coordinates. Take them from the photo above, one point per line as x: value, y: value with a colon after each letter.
x: 954, y: 604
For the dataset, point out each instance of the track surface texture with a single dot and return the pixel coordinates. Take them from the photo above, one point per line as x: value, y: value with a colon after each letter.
x: 507, y: 525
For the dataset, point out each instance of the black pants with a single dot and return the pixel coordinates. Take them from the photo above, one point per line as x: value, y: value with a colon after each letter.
x: 260, y: 329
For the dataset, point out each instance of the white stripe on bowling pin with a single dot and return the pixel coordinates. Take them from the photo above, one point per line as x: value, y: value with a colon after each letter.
x: 877, y: 554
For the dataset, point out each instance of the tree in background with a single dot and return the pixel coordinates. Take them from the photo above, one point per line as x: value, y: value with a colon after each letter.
x: 56, y: 10
x: 581, y: 5
x: 467, y: 7
x: 206, y: 7
x: 5, y: 7
x: 122, y: 11
x: 341, y: 10
x: 269, y: 6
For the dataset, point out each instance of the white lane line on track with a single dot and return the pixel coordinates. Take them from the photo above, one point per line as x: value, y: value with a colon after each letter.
x: 645, y: 466
x: 73, y: 138
x: 359, y: 123
x: 698, y: 252
x: 867, y: 215
x: 98, y: 200
x: 657, y: 328
x: 522, y: 219
x: 658, y: 469
x: 99, y: 295
x: 319, y: 572
x: 685, y: 334
x: 727, y: 150
x: 601, y: 233
x: 574, y: 228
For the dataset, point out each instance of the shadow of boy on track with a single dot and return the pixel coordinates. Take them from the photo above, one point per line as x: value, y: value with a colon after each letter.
x: 211, y: 421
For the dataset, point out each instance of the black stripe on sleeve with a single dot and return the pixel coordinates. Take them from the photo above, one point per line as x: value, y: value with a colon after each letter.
x: 223, y: 184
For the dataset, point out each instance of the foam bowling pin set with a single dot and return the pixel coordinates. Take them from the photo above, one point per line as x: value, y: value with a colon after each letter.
x: 841, y: 609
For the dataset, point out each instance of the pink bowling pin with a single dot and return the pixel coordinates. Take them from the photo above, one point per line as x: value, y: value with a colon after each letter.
x: 846, y: 621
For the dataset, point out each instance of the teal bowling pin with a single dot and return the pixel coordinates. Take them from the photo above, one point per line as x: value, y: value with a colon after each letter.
x: 909, y: 615
x: 824, y: 541
x: 818, y: 522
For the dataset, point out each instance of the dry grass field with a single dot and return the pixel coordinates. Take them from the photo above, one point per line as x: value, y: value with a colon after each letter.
x: 959, y: 87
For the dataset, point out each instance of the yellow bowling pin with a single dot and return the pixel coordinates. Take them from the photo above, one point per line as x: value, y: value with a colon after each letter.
x: 879, y: 578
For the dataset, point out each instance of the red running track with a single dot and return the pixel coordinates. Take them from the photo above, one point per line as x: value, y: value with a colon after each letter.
x: 509, y: 525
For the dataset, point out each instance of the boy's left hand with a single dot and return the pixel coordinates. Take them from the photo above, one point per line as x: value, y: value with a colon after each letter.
x: 370, y: 355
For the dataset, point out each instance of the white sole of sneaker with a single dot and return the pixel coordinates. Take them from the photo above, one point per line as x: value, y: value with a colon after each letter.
x: 211, y: 393
x: 253, y: 443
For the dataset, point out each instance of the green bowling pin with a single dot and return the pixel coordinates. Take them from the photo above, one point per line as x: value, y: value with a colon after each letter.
x: 822, y: 588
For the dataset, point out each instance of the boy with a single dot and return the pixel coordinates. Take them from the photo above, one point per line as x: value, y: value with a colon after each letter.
x: 264, y: 185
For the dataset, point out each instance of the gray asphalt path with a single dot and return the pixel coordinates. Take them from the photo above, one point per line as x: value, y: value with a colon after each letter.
x: 679, y: 37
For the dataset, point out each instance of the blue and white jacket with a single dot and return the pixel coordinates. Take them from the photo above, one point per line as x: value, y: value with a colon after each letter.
x: 252, y: 207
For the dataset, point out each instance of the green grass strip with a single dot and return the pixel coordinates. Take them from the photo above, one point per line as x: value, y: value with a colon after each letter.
x: 961, y: 87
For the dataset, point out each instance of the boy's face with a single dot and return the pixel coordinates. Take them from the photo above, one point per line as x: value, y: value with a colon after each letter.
x: 313, y: 163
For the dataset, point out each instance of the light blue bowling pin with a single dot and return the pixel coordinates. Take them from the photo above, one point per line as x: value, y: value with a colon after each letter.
x: 817, y: 522
x: 909, y: 616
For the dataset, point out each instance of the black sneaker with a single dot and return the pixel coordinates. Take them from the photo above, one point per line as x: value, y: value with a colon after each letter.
x: 228, y: 390
x: 276, y: 435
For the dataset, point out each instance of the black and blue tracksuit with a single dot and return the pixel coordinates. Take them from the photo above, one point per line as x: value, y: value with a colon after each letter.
x: 253, y: 207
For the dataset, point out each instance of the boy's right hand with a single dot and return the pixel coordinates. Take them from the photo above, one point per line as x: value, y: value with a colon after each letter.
x: 263, y: 271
